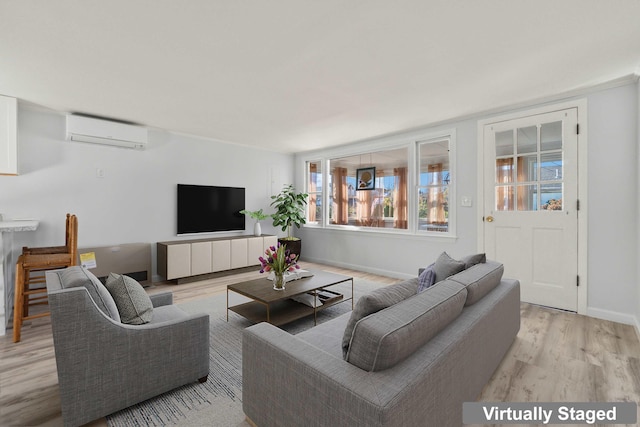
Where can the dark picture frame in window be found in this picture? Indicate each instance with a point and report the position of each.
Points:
(366, 178)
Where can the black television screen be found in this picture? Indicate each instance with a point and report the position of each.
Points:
(203, 208)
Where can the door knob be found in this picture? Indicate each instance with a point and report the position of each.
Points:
(489, 219)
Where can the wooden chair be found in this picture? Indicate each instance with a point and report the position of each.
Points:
(30, 268)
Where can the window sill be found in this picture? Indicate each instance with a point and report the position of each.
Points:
(388, 232)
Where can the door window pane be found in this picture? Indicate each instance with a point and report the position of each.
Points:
(551, 166)
(551, 136)
(504, 171)
(551, 197)
(504, 198)
(527, 168)
(527, 140)
(504, 143)
(527, 196)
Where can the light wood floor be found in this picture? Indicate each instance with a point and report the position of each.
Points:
(557, 356)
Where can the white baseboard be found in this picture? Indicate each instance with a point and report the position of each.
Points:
(363, 268)
(637, 325)
(613, 316)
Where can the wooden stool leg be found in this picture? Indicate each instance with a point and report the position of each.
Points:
(26, 277)
(18, 301)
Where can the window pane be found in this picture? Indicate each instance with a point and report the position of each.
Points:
(527, 140)
(314, 189)
(384, 205)
(551, 136)
(434, 162)
(504, 143)
(434, 180)
(433, 210)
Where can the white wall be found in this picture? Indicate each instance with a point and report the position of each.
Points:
(135, 201)
(612, 203)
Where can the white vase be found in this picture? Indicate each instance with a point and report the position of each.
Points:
(257, 230)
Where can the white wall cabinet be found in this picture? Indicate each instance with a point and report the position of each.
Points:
(8, 136)
(184, 258)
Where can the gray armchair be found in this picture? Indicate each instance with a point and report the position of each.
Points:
(104, 365)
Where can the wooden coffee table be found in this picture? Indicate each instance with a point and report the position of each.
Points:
(277, 308)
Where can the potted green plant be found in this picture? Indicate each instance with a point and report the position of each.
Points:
(258, 216)
(289, 206)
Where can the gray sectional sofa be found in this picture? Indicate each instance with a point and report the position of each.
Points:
(401, 358)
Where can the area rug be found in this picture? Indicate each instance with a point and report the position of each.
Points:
(218, 402)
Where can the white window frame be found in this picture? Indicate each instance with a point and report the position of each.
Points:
(409, 141)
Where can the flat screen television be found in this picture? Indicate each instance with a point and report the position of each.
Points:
(204, 209)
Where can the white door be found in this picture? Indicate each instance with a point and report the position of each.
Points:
(531, 204)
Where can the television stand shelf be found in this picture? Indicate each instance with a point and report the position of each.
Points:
(186, 258)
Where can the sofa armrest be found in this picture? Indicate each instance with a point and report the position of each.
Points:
(335, 391)
(162, 298)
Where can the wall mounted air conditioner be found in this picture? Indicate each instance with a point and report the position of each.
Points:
(106, 132)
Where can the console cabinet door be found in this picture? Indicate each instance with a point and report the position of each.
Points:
(270, 241)
(255, 249)
(221, 255)
(239, 253)
(178, 260)
(201, 258)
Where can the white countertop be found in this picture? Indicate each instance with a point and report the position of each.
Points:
(19, 225)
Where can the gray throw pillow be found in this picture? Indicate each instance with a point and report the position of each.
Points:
(446, 266)
(471, 260)
(134, 305)
(376, 301)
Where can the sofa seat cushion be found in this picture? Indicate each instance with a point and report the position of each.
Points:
(167, 313)
(327, 336)
(375, 301)
(383, 339)
(77, 276)
(479, 280)
(134, 305)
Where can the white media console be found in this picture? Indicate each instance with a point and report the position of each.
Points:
(185, 258)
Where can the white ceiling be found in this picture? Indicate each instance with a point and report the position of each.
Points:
(296, 75)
